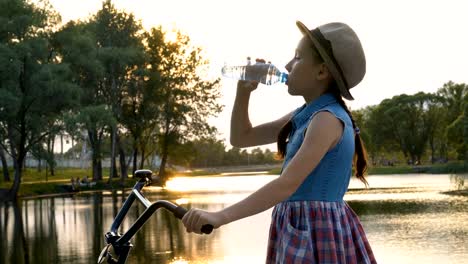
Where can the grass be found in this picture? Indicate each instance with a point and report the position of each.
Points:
(61, 174)
(34, 182)
(449, 167)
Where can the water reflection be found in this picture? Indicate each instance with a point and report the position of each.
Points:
(406, 222)
(458, 180)
(12, 232)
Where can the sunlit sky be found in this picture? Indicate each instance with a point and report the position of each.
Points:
(410, 46)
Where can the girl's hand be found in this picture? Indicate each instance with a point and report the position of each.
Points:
(247, 86)
(250, 86)
(194, 219)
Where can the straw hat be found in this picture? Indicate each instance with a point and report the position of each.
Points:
(342, 52)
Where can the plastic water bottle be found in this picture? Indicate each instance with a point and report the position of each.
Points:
(265, 73)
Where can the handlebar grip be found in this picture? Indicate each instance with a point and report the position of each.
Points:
(179, 212)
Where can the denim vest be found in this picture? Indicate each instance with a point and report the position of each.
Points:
(330, 179)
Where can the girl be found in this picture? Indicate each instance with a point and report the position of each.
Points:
(311, 223)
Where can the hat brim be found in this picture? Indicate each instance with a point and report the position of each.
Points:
(328, 61)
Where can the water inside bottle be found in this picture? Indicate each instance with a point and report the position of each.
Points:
(264, 73)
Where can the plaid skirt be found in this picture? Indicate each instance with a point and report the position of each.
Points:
(317, 232)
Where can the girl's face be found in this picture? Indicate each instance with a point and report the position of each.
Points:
(308, 76)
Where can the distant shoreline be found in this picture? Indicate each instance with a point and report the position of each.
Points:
(447, 168)
(463, 192)
(59, 185)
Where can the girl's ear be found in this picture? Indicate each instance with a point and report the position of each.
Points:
(323, 72)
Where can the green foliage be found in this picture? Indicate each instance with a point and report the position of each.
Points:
(406, 123)
(35, 88)
(209, 152)
(418, 125)
(186, 100)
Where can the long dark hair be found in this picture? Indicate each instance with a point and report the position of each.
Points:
(360, 153)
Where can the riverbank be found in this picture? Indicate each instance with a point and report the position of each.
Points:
(41, 184)
(36, 183)
(447, 168)
(457, 192)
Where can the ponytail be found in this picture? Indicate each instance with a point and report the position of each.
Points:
(360, 153)
(283, 137)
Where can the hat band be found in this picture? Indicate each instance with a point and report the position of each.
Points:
(326, 45)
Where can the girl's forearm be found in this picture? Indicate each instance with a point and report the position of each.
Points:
(240, 122)
(264, 198)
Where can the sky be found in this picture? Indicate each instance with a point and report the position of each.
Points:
(410, 46)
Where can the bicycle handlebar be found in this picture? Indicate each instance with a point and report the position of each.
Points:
(121, 243)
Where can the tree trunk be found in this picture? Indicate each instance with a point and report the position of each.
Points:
(46, 172)
(142, 161)
(39, 165)
(431, 143)
(13, 192)
(164, 151)
(52, 157)
(162, 168)
(61, 144)
(47, 166)
(97, 169)
(135, 156)
(6, 174)
(18, 158)
(123, 163)
(112, 169)
(96, 148)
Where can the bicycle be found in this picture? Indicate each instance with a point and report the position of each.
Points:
(120, 243)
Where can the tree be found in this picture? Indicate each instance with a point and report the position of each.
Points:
(436, 114)
(187, 99)
(369, 130)
(139, 117)
(407, 120)
(233, 157)
(140, 110)
(453, 96)
(31, 80)
(98, 121)
(377, 131)
(270, 156)
(208, 152)
(457, 132)
(257, 156)
(121, 52)
(107, 55)
(77, 48)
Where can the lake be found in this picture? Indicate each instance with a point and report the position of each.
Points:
(407, 219)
